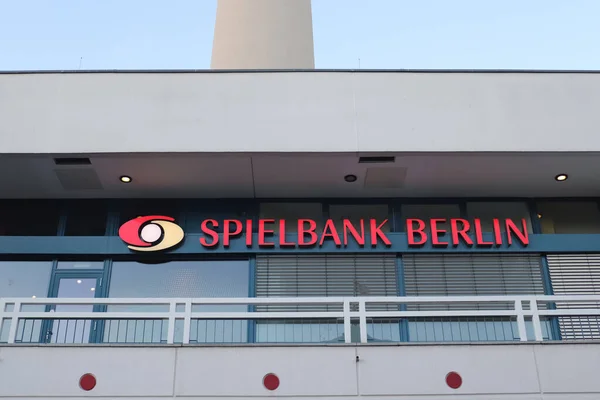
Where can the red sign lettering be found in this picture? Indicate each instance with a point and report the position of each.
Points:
(416, 231)
(456, 231)
(460, 232)
(411, 231)
(312, 226)
(359, 237)
(227, 233)
(377, 233)
(435, 232)
(263, 232)
(209, 232)
(330, 231)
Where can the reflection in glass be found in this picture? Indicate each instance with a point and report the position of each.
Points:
(24, 279)
(486, 211)
(291, 213)
(569, 217)
(29, 218)
(426, 212)
(177, 279)
(356, 212)
(192, 220)
(86, 221)
(80, 265)
(73, 331)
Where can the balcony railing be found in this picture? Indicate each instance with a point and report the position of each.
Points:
(299, 320)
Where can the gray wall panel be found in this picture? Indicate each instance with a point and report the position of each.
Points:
(298, 111)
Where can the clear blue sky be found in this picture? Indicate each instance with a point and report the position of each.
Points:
(444, 34)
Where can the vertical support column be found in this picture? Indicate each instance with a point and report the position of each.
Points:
(401, 290)
(521, 320)
(362, 314)
(549, 290)
(14, 322)
(535, 318)
(546, 278)
(187, 322)
(252, 293)
(263, 34)
(2, 310)
(171, 329)
(347, 322)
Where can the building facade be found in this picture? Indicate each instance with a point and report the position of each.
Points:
(308, 234)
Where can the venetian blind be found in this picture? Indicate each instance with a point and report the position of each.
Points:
(471, 275)
(324, 276)
(576, 274)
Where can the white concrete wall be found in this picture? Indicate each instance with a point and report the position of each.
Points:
(298, 112)
(490, 372)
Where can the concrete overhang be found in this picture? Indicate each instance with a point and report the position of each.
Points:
(299, 111)
(296, 175)
(298, 133)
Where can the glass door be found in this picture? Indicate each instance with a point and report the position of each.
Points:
(73, 330)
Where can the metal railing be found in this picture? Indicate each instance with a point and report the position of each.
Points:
(295, 320)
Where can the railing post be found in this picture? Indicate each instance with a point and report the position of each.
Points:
(347, 322)
(2, 309)
(535, 318)
(187, 322)
(521, 320)
(171, 330)
(362, 313)
(14, 322)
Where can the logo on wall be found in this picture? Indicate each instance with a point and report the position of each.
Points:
(151, 233)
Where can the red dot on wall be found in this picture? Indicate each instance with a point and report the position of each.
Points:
(271, 381)
(87, 382)
(454, 380)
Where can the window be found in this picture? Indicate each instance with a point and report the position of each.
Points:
(470, 275)
(181, 279)
(80, 265)
(323, 276)
(192, 219)
(569, 217)
(576, 274)
(487, 211)
(291, 213)
(29, 218)
(86, 219)
(429, 211)
(24, 279)
(142, 208)
(380, 212)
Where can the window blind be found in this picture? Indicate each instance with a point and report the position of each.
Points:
(324, 276)
(576, 274)
(471, 275)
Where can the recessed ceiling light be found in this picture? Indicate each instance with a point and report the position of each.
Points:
(78, 280)
(93, 289)
(539, 216)
(33, 297)
(561, 177)
(350, 178)
(125, 179)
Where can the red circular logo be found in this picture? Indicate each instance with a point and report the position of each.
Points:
(151, 233)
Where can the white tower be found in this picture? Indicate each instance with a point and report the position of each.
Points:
(263, 34)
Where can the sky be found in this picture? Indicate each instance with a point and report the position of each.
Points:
(382, 34)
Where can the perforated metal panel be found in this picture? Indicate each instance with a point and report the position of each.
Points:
(325, 276)
(576, 274)
(471, 275)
